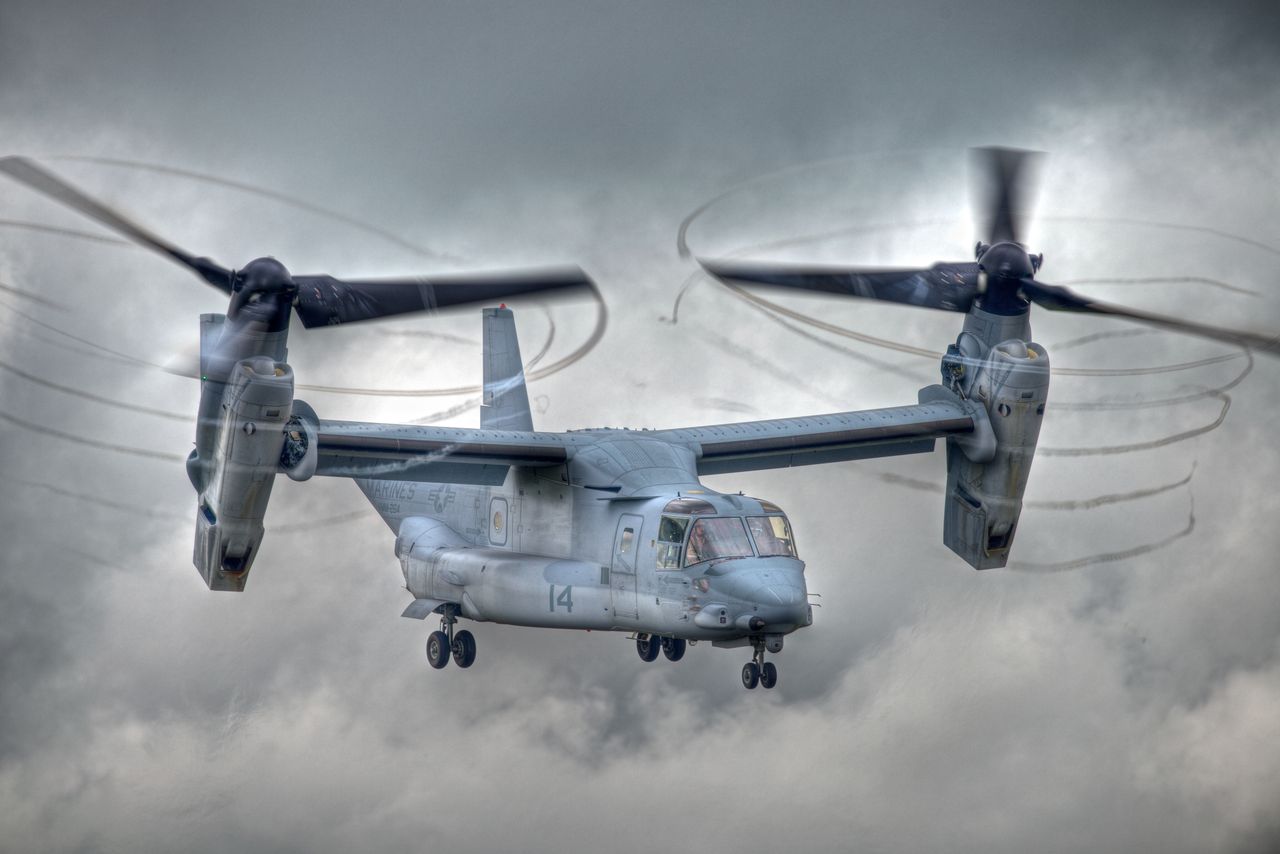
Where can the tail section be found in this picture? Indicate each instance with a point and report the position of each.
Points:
(506, 400)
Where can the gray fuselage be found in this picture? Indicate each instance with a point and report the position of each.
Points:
(542, 549)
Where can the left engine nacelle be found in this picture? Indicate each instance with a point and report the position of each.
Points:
(257, 403)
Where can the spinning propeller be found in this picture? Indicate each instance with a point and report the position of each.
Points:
(1001, 280)
(319, 300)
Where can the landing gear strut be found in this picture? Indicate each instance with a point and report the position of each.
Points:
(446, 643)
(757, 671)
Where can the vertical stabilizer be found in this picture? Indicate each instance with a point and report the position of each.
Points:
(506, 401)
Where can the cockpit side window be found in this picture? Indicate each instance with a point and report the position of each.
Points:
(772, 536)
(671, 529)
(722, 537)
(671, 532)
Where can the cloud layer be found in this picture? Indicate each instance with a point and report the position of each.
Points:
(1128, 705)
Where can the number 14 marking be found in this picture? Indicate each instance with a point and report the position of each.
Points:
(564, 598)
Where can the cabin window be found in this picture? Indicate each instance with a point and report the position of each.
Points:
(628, 536)
(772, 536)
(689, 506)
(671, 541)
(719, 538)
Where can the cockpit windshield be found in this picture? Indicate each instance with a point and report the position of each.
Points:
(720, 537)
(772, 535)
(692, 531)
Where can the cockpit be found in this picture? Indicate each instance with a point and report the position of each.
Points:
(693, 531)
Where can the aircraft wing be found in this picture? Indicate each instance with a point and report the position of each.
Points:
(464, 455)
(434, 454)
(784, 442)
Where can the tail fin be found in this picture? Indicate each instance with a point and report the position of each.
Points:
(506, 401)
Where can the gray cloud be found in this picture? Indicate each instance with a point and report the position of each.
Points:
(1128, 706)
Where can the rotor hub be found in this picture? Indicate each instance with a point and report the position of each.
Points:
(1006, 260)
(264, 275)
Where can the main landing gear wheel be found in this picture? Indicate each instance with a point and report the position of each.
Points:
(768, 675)
(647, 646)
(750, 675)
(438, 650)
(446, 642)
(673, 648)
(464, 649)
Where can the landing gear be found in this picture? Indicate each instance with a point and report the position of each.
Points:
(438, 650)
(442, 645)
(647, 646)
(757, 671)
(464, 648)
(673, 648)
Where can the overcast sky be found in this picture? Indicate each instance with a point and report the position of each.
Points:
(1117, 690)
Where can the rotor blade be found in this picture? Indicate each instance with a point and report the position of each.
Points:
(326, 301)
(43, 181)
(1004, 178)
(951, 287)
(1058, 298)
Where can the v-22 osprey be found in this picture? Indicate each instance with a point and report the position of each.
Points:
(610, 529)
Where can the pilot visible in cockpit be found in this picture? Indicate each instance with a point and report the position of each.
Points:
(699, 549)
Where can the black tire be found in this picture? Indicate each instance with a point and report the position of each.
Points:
(673, 648)
(768, 675)
(750, 675)
(464, 648)
(647, 646)
(438, 650)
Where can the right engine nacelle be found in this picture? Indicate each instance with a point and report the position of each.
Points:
(256, 405)
(984, 495)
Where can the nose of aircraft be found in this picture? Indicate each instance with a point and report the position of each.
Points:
(775, 585)
(779, 594)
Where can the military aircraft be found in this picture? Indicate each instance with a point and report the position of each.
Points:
(610, 529)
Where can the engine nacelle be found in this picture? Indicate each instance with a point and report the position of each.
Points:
(984, 488)
(257, 403)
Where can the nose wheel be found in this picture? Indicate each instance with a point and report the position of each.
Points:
(757, 671)
(446, 643)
